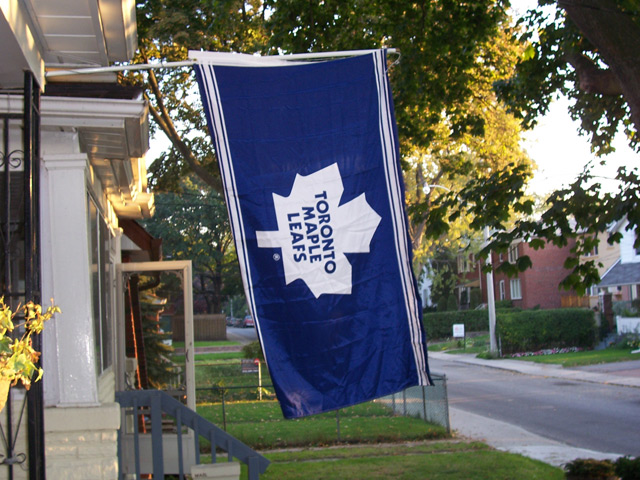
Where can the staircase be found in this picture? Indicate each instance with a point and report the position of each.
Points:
(159, 435)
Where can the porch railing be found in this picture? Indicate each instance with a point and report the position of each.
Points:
(151, 406)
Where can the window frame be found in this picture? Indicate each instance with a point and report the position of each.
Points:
(99, 238)
(515, 289)
(513, 254)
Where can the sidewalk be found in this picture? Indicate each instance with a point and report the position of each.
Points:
(625, 374)
(511, 438)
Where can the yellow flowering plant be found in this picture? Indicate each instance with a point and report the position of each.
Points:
(18, 359)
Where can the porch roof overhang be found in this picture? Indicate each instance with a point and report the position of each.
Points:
(65, 34)
(114, 133)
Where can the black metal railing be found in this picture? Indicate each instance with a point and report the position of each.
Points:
(149, 407)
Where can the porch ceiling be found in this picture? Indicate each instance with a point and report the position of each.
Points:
(64, 34)
(114, 133)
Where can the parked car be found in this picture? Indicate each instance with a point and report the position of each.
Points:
(248, 322)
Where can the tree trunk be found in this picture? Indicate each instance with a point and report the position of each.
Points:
(617, 38)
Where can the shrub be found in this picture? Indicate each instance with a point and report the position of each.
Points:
(442, 304)
(440, 324)
(501, 304)
(582, 469)
(628, 468)
(452, 303)
(531, 330)
(475, 298)
(253, 350)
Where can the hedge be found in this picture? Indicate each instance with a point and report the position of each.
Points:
(532, 330)
(440, 324)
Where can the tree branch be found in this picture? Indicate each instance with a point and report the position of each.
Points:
(592, 79)
(165, 122)
(617, 37)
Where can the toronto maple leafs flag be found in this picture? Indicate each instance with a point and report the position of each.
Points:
(308, 156)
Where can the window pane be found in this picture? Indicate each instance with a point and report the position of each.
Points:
(515, 289)
(95, 277)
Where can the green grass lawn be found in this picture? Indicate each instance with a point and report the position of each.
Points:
(439, 460)
(211, 358)
(372, 443)
(435, 461)
(476, 344)
(217, 343)
(262, 426)
(587, 357)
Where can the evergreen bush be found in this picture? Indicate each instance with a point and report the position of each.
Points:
(532, 330)
(442, 304)
(475, 298)
(440, 324)
(628, 468)
(452, 303)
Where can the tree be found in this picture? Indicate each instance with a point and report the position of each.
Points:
(450, 124)
(588, 50)
(193, 224)
(166, 31)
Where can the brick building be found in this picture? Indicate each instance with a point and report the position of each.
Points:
(538, 286)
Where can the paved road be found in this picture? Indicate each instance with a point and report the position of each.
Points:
(242, 335)
(584, 414)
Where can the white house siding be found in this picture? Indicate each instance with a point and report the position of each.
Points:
(628, 253)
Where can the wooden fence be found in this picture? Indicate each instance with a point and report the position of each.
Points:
(574, 301)
(205, 328)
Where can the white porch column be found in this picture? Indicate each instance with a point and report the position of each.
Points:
(69, 353)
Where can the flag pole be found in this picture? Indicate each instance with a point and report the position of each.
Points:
(193, 55)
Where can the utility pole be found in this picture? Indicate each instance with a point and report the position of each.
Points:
(491, 300)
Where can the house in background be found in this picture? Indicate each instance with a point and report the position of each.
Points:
(536, 287)
(469, 271)
(604, 256)
(622, 278)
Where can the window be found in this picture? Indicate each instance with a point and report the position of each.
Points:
(99, 242)
(592, 253)
(466, 263)
(516, 292)
(513, 253)
(502, 290)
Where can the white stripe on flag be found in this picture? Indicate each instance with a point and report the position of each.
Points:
(228, 179)
(397, 201)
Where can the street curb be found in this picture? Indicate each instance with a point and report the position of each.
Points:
(543, 370)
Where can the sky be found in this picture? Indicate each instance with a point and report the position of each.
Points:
(554, 144)
(561, 153)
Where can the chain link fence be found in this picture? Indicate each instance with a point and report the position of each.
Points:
(226, 384)
(430, 404)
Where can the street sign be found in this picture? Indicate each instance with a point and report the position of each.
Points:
(458, 330)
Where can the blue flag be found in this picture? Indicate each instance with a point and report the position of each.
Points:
(308, 155)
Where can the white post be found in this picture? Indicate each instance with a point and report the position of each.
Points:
(491, 300)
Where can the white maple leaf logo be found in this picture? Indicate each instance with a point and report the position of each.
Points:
(315, 231)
